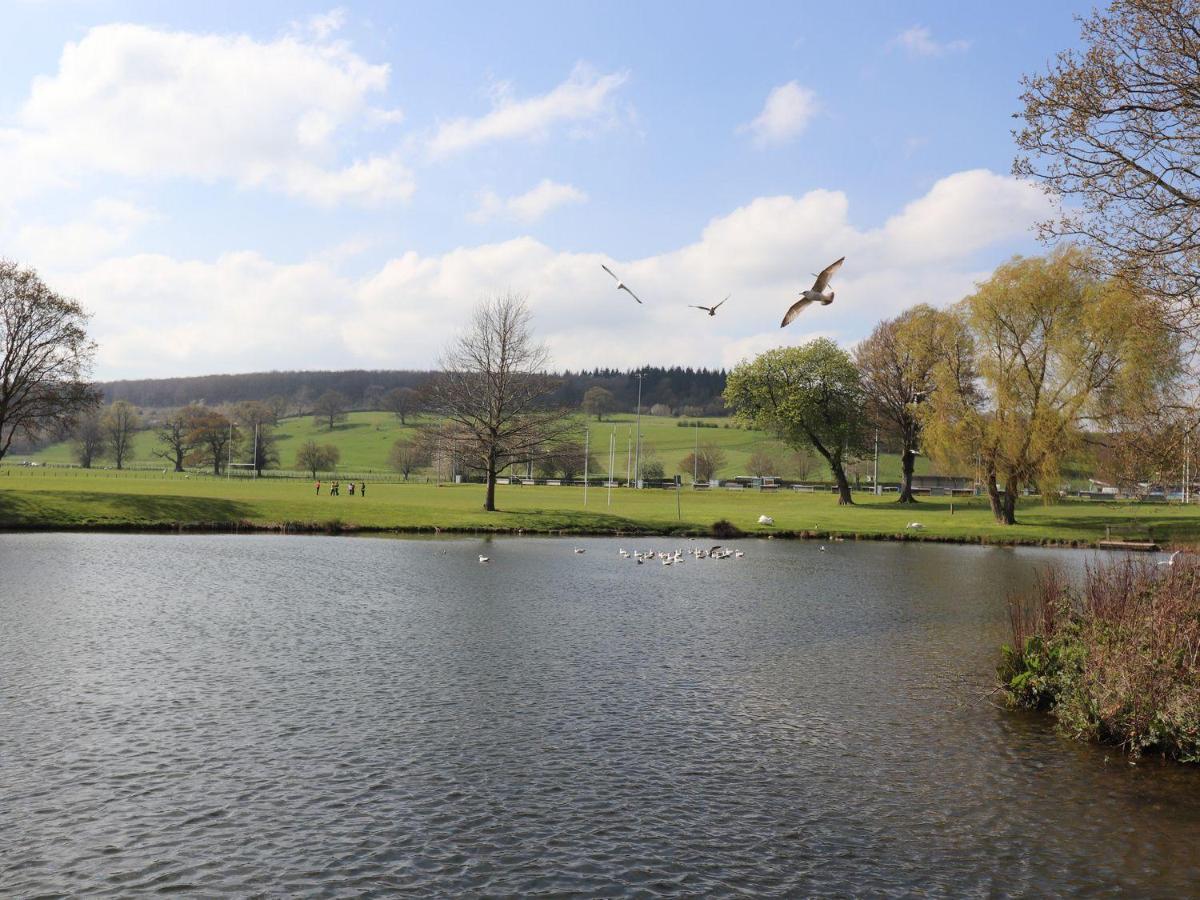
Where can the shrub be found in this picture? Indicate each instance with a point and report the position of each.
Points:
(1116, 659)
(724, 529)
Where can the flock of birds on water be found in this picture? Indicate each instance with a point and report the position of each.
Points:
(820, 292)
(668, 557)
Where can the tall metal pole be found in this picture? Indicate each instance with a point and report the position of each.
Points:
(612, 461)
(229, 454)
(587, 438)
(254, 462)
(876, 475)
(696, 454)
(629, 457)
(637, 449)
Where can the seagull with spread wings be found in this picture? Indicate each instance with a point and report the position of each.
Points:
(621, 286)
(711, 310)
(818, 293)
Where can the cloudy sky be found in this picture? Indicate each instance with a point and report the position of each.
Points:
(236, 187)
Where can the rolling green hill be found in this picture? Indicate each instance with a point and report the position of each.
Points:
(365, 440)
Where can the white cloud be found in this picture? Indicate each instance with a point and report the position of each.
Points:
(586, 95)
(105, 227)
(787, 112)
(530, 206)
(241, 312)
(141, 102)
(919, 41)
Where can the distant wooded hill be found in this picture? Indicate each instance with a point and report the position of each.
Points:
(684, 390)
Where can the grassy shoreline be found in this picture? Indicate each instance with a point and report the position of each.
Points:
(45, 501)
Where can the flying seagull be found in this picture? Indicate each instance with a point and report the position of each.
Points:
(711, 310)
(621, 286)
(816, 294)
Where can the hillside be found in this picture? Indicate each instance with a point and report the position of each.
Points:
(366, 438)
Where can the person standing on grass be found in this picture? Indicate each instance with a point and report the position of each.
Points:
(352, 489)
(318, 489)
(362, 489)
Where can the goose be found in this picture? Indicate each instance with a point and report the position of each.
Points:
(483, 558)
(915, 525)
(580, 550)
(621, 286)
(816, 294)
(711, 310)
(1171, 561)
(739, 553)
(822, 548)
(765, 520)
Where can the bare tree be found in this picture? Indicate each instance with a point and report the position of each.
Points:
(88, 439)
(402, 402)
(174, 436)
(493, 387)
(314, 457)
(330, 408)
(763, 462)
(1114, 128)
(45, 357)
(703, 465)
(599, 402)
(897, 363)
(210, 434)
(120, 423)
(407, 455)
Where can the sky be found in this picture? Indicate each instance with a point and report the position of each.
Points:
(233, 187)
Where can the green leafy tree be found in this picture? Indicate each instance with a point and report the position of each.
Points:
(806, 396)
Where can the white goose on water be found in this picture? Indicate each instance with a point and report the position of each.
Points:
(483, 558)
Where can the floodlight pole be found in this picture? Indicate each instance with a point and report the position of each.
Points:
(612, 461)
(637, 450)
(696, 455)
(587, 436)
(254, 462)
(229, 454)
(876, 475)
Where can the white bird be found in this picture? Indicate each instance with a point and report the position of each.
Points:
(483, 558)
(624, 553)
(621, 286)
(739, 553)
(765, 520)
(1171, 561)
(915, 525)
(822, 548)
(711, 310)
(816, 294)
(580, 550)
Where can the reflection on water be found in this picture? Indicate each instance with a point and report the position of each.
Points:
(226, 715)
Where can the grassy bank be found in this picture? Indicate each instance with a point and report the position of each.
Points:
(49, 499)
(1116, 659)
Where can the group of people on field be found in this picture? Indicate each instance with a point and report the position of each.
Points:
(335, 488)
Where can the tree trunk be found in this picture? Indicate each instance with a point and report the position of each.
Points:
(1008, 506)
(907, 464)
(839, 474)
(489, 501)
(993, 493)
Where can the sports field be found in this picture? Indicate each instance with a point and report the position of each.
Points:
(50, 499)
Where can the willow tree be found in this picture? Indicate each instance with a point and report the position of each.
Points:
(897, 363)
(809, 396)
(1056, 351)
(494, 392)
(1113, 128)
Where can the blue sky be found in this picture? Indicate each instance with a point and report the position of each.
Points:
(231, 187)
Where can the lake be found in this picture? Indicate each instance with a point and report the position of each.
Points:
(232, 715)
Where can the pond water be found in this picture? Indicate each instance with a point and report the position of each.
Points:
(234, 715)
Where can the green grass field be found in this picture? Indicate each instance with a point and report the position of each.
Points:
(50, 499)
(366, 438)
